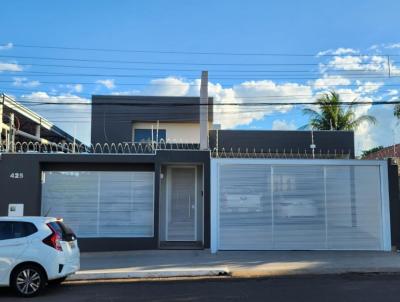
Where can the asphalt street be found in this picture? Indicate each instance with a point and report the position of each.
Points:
(350, 287)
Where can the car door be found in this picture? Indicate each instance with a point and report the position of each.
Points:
(13, 242)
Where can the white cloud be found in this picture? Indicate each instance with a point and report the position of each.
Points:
(378, 47)
(229, 115)
(371, 64)
(283, 125)
(77, 87)
(346, 63)
(169, 86)
(10, 67)
(72, 118)
(108, 83)
(393, 46)
(6, 46)
(330, 81)
(385, 132)
(24, 82)
(127, 92)
(368, 87)
(393, 92)
(259, 92)
(338, 51)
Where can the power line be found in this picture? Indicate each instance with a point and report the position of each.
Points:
(156, 77)
(175, 63)
(189, 70)
(182, 104)
(277, 54)
(197, 85)
(74, 95)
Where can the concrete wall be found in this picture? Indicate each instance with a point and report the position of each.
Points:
(394, 196)
(112, 123)
(279, 141)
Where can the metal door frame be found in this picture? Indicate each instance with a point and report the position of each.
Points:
(167, 198)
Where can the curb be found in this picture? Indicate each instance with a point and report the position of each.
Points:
(103, 274)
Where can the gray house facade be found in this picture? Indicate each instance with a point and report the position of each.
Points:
(144, 183)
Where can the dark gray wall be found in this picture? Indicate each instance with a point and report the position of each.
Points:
(28, 189)
(394, 199)
(112, 123)
(197, 157)
(279, 141)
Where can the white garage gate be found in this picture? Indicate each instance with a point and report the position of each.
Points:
(260, 204)
(101, 203)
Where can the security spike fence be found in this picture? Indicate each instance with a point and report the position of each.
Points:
(289, 154)
(153, 147)
(105, 148)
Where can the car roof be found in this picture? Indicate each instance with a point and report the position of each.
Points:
(34, 219)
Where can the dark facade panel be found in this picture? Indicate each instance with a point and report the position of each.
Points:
(280, 141)
(394, 206)
(188, 157)
(24, 190)
(112, 123)
(27, 190)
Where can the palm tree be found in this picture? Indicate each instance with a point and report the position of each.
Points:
(396, 111)
(333, 116)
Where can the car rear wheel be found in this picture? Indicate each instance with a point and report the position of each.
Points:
(28, 280)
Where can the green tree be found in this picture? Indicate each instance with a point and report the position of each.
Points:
(396, 111)
(332, 114)
(370, 151)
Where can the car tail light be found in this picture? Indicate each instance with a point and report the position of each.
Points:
(53, 240)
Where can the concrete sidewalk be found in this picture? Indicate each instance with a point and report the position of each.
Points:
(184, 263)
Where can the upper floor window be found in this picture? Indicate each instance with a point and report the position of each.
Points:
(144, 135)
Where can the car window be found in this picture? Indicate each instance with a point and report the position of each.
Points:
(16, 229)
(63, 230)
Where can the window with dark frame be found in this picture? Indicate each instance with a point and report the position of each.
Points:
(145, 136)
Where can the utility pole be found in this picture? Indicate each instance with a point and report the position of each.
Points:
(204, 111)
(312, 146)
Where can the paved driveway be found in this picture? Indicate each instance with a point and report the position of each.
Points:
(262, 263)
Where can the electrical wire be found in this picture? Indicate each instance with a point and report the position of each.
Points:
(277, 54)
(174, 63)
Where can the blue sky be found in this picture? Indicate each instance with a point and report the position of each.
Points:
(344, 28)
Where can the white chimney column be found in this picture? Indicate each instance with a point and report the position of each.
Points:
(204, 111)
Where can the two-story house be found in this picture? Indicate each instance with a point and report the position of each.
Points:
(148, 182)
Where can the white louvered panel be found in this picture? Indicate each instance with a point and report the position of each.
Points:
(354, 207)
(245, 207)
(72, 196)
(299, 207)
(101, 204)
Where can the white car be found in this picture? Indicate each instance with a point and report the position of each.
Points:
(296, 207)
(35, 251)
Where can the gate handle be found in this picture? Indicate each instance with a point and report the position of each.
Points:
(190, 205)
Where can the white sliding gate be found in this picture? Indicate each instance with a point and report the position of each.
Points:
(259, 204)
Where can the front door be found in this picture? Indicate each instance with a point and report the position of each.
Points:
(181, 204)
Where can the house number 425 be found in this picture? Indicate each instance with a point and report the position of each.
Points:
(17, 175)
